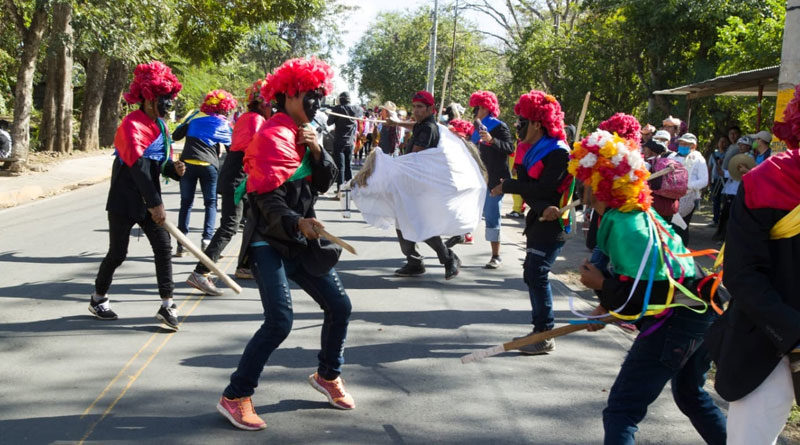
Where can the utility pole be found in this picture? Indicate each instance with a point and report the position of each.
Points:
(432, 58)
(789, 75)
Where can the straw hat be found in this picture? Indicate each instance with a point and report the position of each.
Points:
(740, 159)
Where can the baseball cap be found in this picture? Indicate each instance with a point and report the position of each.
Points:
(745, 140)
(423, 97)
(662, 134)
(688, 138)
(764, 135)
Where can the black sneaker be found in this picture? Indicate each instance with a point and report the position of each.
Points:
(168, 316)
(102, 310)
(452, 267)
(453, 240)
(410, 270)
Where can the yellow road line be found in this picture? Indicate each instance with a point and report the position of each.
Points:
(133, 378)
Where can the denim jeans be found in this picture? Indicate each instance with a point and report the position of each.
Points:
(674, 352)
(208, 184)
(600, 261)
(536, 270)
(228, 226)
(272, 272)
(491, 213)
(341, 157)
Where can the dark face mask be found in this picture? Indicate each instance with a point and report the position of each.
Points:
(475, 112)
(522, 128)
(164, 104)
(312, 103)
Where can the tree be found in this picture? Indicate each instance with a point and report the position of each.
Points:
(29, 21)
(56, 125)
(390, 62)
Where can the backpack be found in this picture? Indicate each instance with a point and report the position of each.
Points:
(672, 185)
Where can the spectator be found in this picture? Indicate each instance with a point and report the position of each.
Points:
(698, 179)
(389, 138)
(731, 187)
(344, 137)
(662, 136)
(672, 125)
(717, 178)
(733, 149)
(647, 133)
(762, 148)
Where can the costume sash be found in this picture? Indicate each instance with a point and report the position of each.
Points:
(246, 127)
(138, 134)
(490, 122)
(543, 147)
(209, 128)
(775, 183)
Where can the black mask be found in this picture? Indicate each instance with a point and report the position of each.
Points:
(163, 105)
(475, 111)
(312, 102)
(522, 128)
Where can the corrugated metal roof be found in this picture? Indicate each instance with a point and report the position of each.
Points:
(745, 83)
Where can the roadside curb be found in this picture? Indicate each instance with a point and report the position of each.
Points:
(15, 197)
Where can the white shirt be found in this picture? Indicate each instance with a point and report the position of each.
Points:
(698, 179)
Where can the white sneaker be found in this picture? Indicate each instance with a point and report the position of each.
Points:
(203, 284)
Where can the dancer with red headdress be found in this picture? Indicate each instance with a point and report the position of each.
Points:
(542, 179)
(231, 177)
(287, 169)
(143, 153)
(204, 132)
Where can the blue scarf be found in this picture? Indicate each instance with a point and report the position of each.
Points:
(490, 122)
(211, 129)
(543, 147)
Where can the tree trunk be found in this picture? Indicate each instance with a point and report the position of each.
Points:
(47, 126)
(23, 91)
(63, 37)
(116, 81)
(89, 136)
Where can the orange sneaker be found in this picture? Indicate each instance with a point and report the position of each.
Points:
(241, 413)
(333, 390)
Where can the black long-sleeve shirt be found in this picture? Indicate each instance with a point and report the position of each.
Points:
(137, 188)
(540, 194)
(495, 155)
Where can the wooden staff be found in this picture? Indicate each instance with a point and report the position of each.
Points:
(530, 339)
(335, 239)
(201, 256)
(569, 206)
(661, 173)
(582, 116)
(353, 117)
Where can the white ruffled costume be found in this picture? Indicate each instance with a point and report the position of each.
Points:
(435, 192)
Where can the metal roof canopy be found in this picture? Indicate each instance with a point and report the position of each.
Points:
(746, 83)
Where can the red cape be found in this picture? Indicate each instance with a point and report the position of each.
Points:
(273, 156)
(246, 127)
(775, 183)
(135, 133)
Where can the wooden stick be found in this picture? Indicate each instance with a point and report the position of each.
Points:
(530, 339)
(353, 117)
(660, 173)
(569, 206)
(335, 239)
(201, 256)
(582, 116)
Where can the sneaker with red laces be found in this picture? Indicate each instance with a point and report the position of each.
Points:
(468, 239)
(241, 413)
(333, 390)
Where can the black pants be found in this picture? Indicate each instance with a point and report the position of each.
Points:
(409, 249)
(119, 233)
(727, 202)
(231, 175)
(341, 156)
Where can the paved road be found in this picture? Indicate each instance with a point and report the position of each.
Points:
(67, 377)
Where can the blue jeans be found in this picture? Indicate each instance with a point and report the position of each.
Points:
(208, 184)
(271, 272)
(536, 270)
(675, 352)
(491, 213)
(600, 261)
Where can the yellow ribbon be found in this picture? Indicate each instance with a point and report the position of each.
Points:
(788, 226)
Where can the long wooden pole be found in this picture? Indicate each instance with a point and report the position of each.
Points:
(582, 116)
(201, 256)
(530, 339)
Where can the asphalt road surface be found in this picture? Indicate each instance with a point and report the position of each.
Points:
(68, 378)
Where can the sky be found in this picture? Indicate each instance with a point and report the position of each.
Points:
(358, 23)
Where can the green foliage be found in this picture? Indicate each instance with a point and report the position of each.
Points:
(390, 62)
(745, 45)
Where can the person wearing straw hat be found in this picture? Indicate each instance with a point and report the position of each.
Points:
(650, 266)
(755, 342)
(647, 133)
(286, 170)
(389, 138)
(733, 171)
